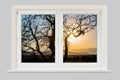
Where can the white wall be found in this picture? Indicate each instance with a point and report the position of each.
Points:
(113, 42)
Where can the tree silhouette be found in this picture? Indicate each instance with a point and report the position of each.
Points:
(77, 25)
(38, 31)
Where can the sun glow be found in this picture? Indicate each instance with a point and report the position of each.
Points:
(72, 39)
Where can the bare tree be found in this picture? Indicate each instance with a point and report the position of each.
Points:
(51, 20)
(77, 25)
(37, 32)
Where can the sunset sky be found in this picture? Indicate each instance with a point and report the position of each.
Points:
(84, 41)
(83, 45)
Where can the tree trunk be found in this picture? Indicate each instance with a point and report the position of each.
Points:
(52, 38)
(38, 49)
(66, 47)
(52, 47)
(37, 45)
(52, 44)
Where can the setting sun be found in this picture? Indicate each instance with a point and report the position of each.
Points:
(71, 38)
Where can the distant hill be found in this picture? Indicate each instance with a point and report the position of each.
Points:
(88, 51)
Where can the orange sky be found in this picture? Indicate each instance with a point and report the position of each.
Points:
(83, 42)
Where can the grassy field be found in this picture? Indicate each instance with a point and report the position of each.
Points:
(81, 58)
(32, 58)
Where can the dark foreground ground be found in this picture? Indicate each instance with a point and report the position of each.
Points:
(81, 58)
(36, 59)
(31, 58)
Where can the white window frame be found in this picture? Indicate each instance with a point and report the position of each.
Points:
(59, 66)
